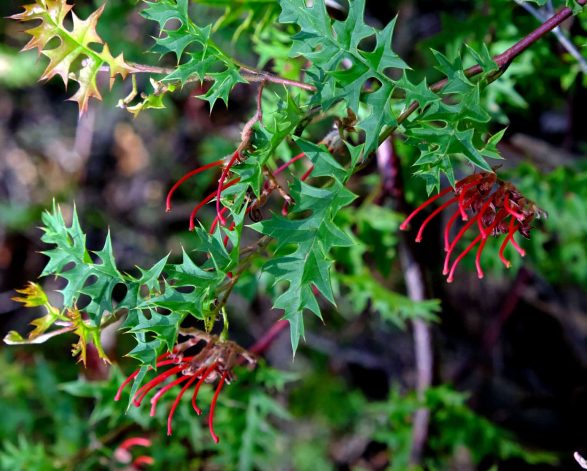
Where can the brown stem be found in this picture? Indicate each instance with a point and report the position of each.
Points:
(248, 73)
(502, 60)
(390, 170)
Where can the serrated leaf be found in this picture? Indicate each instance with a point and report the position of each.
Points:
(194, 46)
(180, 288)
(328, 43)
(302, 251)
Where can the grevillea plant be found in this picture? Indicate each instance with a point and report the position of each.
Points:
(340, 73)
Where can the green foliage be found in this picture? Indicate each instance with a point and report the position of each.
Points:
(73, 58)
(447, 131)
(558, 251)
(202, 59)
(161, 286)
(329, 45)
(335, 101)
(311, 237)
(452, 425)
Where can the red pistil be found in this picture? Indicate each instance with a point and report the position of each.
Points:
(450, 278)
(432, 215)
(163, 390)
(513, 227)
(478, 257)
(507, 204)
(425, 204)
(462, 193)
(447, 229)
(144, 390)
(198, 385)
(132, 376)
(176, 402)
(520, 250)
(464, 229)
(221, 187)
(213, 407)
(186, 177)
(134, 441)
(206, 200)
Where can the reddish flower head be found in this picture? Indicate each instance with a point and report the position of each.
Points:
(485, 203)
(213, 362)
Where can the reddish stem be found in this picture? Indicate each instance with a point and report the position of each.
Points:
(426, 203)
(213, 407)
(284, 209)
(221, 188)
(307, 174)
(186, 177)
(291, 161)
(269, 337)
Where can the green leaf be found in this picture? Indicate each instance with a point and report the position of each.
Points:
(194, 46)
(340, 66)
(302, 252)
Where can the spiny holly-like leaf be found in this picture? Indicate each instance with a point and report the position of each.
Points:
(341, 67)
(303, 245)
(192, 44)
(75, 58)
(452, 131)
(180, 289)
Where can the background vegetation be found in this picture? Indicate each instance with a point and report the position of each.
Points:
(510, 354)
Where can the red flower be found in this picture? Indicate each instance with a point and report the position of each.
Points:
(214, 362)
(123, 455)
(484, 202)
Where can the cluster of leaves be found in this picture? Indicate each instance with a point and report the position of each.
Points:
(181, 289)
(74, 58)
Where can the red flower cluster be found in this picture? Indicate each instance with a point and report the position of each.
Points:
(491, 205)
(268, 187)
(213, 362)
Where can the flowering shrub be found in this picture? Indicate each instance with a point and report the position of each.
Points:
(285, 200)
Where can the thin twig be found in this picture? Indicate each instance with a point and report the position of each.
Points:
(565, 42)
(392, 186)
(248, 73)
(502, 60)
(269, 337)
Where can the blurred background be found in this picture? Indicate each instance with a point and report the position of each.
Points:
(510, 351)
